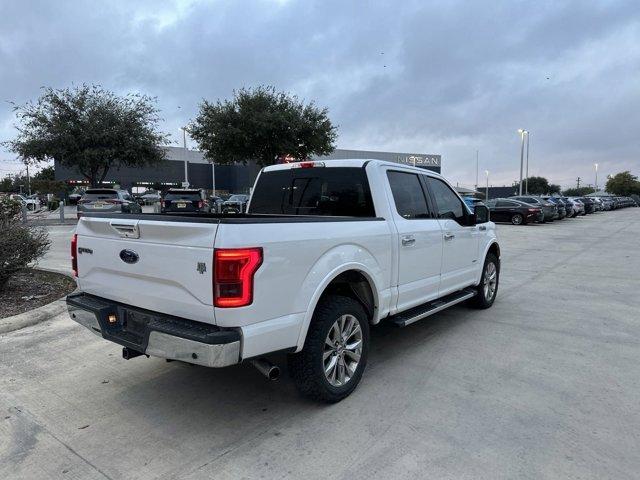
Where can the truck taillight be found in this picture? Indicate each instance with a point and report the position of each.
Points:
(74, 254)
(233, 271)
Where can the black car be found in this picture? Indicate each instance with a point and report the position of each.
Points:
(235, 204)
(184, 201)
(589, 205)
(514, 211)
(549, 209)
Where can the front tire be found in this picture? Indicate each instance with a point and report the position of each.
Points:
(335, 352)
(487, 289)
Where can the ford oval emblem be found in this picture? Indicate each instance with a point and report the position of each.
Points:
(129, 256)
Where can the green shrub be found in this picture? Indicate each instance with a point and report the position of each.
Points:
(19, 244)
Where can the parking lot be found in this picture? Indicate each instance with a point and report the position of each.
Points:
(543, 385)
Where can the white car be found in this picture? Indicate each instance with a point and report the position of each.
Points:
(32, 204)
(325, 250)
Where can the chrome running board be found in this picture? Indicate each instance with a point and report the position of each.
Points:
(422, 311)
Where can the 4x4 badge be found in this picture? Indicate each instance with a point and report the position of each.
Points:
(202, 267)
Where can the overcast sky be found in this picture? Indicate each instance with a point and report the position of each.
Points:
(428, 77)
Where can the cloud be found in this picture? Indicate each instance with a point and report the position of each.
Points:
(432, 77)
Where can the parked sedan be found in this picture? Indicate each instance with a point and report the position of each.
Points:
(577, 208)
(184, 201)
(235, 204)
(589, 205)
(107, 200)
(32, 202)
(562, 209)
(549, 210)
(514, 211)
(150, 197)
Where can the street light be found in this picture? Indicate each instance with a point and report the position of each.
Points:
(522, 133)
(486, 195)
(596, 165)
(526, 177)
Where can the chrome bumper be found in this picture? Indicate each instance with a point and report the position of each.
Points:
(162, 344)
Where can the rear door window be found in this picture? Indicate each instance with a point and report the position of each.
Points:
(323, 191)
(408, 195)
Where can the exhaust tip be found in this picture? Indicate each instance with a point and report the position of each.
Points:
(266, 368)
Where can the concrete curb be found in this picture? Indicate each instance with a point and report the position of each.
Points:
(32, 317)
(37, 315)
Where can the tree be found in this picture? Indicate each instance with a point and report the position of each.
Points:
(578, 192)
(553, 188)
(44, 182)
(261, 124)
(538, 185)
(623, 184)
(89, 129)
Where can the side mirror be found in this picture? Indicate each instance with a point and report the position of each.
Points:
(481, 214)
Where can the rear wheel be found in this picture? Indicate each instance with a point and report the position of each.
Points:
(517, 219)
(487, 289)
(335, 352)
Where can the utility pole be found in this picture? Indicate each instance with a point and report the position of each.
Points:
(526, 179)
(578, 183)
(596, 165)
(29, 179)
(186, 162)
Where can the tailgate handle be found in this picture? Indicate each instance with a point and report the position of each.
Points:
(126, 230)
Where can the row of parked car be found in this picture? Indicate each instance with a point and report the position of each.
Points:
(109, 200)
(520, 210)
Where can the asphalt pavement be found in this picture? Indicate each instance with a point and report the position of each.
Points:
(544, 385)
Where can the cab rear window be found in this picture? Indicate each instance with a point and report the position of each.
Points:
(330, 191)
(190, 196)
(99, 194)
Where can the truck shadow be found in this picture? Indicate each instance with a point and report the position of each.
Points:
(178, 392)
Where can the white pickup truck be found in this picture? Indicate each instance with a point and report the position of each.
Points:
(325, 250)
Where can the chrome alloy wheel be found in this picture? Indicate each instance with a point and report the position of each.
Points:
(342, 350)
(490, 281)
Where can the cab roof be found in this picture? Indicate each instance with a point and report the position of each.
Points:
(348, 162)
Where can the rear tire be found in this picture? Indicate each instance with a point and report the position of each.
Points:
(344, 320)
(517, 219)
(487, 289)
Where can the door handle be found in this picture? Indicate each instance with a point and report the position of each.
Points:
(449, 236)
(482, 228)
(408, 241)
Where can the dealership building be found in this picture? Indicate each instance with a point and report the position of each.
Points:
(236, 178)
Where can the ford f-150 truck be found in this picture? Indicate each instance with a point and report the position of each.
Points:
(324, 251)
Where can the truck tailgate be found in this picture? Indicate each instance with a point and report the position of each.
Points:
(163, 266)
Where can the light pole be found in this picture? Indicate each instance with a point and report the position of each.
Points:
(596, 165)
(526, 177)
(186, 162)
(522, 132)
(486, 195)
(476, 170)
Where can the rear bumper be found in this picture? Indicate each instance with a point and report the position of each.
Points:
(154, 333)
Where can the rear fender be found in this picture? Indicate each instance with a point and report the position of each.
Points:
(334, 262)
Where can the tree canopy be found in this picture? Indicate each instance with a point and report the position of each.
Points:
(89, 129)
(538, 185)
(578, 192)
(261, 124)
(624, 184)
